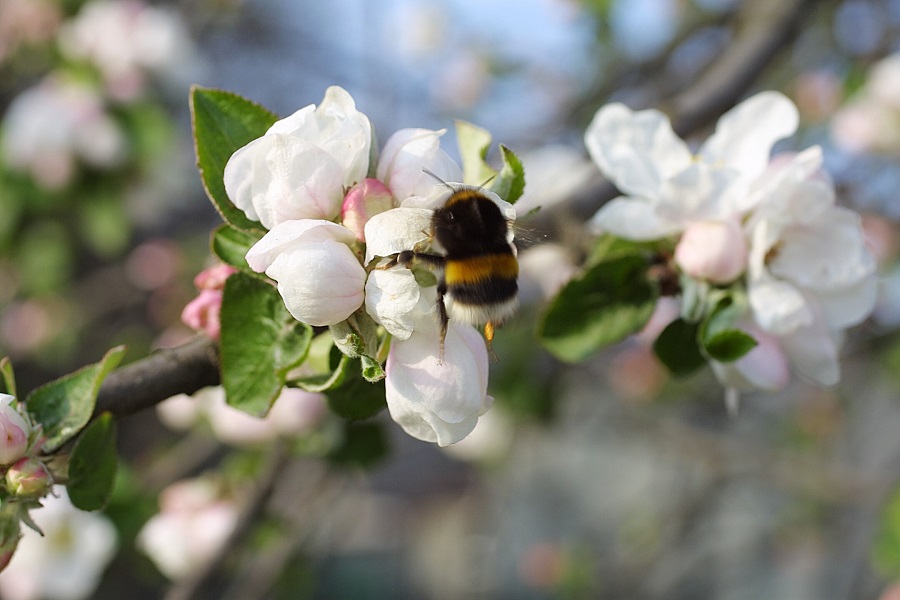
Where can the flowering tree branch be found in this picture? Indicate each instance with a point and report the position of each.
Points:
(147, 382)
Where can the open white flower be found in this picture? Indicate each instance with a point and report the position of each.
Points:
(319, 277)
(300, 168)
(668, 186)
(810, 273)
(66, 563)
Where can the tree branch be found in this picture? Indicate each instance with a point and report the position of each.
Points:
(771, 25)
(142, 384)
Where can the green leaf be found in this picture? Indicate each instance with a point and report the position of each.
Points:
(729, 345)
(223, 122)
(8, 377)
(64, 406)
(510, 181)
(610, 246)
(372, 370)
(721, 340)
(231, 245)
(364, 444)
(355, 397)
(92, 465)
(677, 348)
(473, 142)
(603, 305)
(326, 377)
(260, 343)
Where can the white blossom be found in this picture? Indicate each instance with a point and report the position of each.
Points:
(66, 563)
(810, 273)
(127, 40)
(50, 128)
(193, 522)
(668, 186)
(300, 168)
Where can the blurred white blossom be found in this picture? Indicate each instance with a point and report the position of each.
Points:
(67, 562)
(51, 128)
(194, 520)
(129, 40)
(293, 413)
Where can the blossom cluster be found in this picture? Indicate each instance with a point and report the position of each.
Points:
(763, 229)
(26, 478)
(65, 121)
(333, 212)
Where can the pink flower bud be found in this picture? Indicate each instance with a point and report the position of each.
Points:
(13, 432)
(214, 278)
(712, 250)
(29, 478)
(202, 313)
(363, 201)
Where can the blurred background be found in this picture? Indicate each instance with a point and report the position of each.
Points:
(600, 480)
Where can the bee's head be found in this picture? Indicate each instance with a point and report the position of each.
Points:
(470, 224)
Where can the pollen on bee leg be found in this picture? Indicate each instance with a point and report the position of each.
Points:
(489, 338)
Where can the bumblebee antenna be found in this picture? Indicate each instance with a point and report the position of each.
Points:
(433, 175)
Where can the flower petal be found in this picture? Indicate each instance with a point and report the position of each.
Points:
(437, 399)
(285, 236)
(391, 297)
(813, 351)
(396, 230)
(778, 307)
(406, 156)
(633, 219)
(745, 135)
(635, 150)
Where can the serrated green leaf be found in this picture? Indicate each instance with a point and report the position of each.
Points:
(8, 376)
(677, 348)
(509, 183)
(64, 406)
(92, 465)
(473, 143)
(603, 305)
(260, 343)
(222, 123)
(363, 445)
(230, 245)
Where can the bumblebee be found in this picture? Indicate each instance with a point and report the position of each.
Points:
(478, 272)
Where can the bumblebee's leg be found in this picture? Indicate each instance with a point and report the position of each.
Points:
(442, 312)
(404, 258)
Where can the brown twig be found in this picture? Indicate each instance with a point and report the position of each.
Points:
(146, 382)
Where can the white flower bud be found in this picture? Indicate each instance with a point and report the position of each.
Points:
(319, 277)
(714, 251)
